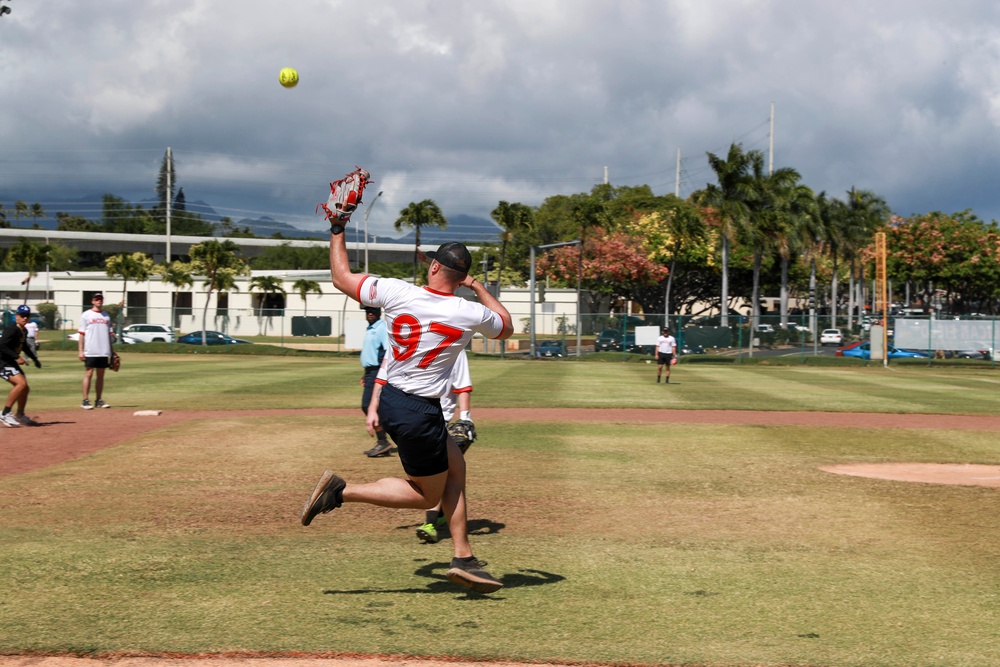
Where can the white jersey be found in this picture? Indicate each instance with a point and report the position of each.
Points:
(96, 330)
(666, 344)
(428, 330)
(31, 330)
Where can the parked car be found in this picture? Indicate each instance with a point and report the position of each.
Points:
(831, 337)
(765, 329)
(863, 351)
(977, 351)
(211, 338)
(690, 349)
(551, 348)
(150, 333)
(607, 341)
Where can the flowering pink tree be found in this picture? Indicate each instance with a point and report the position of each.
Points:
(613, 264)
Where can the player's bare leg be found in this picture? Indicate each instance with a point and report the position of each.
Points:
(414, 493)
(87, 373)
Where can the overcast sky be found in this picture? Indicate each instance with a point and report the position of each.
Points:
(475, 101)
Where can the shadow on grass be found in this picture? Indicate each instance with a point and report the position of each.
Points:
(440, 584)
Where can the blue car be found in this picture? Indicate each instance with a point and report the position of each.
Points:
(863, 351)
(211, 338)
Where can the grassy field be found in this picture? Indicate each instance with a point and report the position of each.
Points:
(617, 542)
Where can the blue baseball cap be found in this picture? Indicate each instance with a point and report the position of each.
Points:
(24, 309)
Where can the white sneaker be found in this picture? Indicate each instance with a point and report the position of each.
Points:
(10, 420)
(25, 420)
(101, 404)
(86, 404)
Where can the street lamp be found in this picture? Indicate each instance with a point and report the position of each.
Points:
(367, 211)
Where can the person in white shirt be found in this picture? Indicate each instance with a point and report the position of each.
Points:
(666, 346)
(31, 331)
(429, 327)
(94, 348)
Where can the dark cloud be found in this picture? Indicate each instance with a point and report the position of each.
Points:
(468, 103)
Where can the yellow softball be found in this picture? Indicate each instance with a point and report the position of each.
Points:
(288, 77)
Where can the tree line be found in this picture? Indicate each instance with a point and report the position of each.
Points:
(755, 231)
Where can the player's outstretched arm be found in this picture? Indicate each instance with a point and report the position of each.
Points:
(340, 267)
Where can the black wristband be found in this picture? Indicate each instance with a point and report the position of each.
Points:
(336, 229)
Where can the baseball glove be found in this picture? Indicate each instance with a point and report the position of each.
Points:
(116, 362)
(463, 432)
(345, 195)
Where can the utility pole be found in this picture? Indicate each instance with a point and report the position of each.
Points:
(770, 162)
(606, 179)
(677, 182)
(170, 162)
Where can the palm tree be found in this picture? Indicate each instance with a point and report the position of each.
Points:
(793, 238)
(731, 199)
(770, 219)
(266, 286)
(514, 219)
(220, 263)
(417, 216)
(20, 209)
(304, 287)
(135, 267)
(37, 213)
(830, 227)
(31, 255)
(179, 275)
(865, 213)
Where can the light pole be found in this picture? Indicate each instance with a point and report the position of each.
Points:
(531, 288)
(367, 211)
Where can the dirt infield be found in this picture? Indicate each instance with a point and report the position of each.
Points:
(68, 434)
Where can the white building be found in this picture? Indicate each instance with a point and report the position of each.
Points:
(242, 312)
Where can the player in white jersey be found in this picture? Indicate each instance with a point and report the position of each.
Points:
(428, 328)
(95, 349)
(666, 347)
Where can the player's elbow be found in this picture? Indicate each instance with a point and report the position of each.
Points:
(508, 331)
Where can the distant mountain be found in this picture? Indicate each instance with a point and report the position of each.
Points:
(465, 228)
(267, 227)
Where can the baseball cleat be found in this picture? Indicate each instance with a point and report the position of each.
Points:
(328, 495)
(472, 575)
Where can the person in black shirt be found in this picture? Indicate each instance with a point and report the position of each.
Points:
(12, 344)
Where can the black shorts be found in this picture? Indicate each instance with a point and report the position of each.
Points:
(417, 426)
(371, 372)
(7, 372)
(97, 362)
(664, 358)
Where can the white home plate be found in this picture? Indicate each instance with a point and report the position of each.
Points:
(965, 474)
